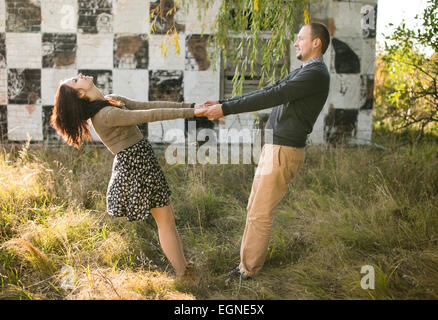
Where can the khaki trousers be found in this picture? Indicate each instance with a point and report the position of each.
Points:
(277, 166)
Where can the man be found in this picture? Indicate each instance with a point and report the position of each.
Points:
(298, 99)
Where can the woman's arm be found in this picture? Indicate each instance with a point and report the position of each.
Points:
(133, 104)
(115, 117)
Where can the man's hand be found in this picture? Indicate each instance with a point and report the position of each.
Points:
(210, 103)
(214, 112)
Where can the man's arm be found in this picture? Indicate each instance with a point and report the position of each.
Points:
(306, 83)
(245, 95)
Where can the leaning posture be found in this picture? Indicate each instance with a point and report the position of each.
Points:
(297, 100)
(137, 186)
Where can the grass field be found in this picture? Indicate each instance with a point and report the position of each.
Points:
(347, 208)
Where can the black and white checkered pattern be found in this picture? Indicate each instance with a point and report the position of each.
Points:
(45, 41)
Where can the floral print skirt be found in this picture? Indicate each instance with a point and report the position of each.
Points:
(137, 183)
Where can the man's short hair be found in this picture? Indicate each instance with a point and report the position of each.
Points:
(320, 31)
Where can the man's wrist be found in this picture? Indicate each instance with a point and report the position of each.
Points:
(225, 109)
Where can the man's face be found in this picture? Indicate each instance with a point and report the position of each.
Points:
(304, 44)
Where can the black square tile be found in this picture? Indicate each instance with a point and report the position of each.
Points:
(3, 124)
(103, 79)
(23, 16)
(24, 86)
(59, 50)
(95, 16)
(165, 85)
(130, 51)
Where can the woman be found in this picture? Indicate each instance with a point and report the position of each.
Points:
(137, 186)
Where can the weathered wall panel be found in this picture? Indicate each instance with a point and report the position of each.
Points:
(24, 121)
(2, 15)
(45, 41)
(3, 87)
(347, 114)
(59, 16)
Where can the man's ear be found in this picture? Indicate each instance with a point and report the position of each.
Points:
(317, 43)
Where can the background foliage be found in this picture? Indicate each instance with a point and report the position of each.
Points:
(406, 76)
(249, 33)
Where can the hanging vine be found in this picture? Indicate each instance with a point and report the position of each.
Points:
(247, 33)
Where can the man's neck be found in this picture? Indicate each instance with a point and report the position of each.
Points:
(312, 59)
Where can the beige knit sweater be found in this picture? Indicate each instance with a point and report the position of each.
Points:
(117, 127)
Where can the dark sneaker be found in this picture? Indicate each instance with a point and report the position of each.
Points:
(236, 273)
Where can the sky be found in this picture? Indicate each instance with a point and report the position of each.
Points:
(394, 11)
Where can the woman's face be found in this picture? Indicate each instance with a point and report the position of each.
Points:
(82, 84)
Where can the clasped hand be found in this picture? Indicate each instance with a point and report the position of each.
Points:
(210, 109)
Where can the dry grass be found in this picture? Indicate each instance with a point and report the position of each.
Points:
(347, 208)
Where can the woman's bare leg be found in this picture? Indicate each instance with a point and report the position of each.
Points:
(169, 238)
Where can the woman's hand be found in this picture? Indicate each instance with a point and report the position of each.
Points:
(199, 112)
(115, 100)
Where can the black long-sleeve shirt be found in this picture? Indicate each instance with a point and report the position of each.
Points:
(298, 99)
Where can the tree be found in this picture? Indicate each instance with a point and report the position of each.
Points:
(249, 33)
(406, 86)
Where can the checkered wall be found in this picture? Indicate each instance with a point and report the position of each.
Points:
(45, 41)
(347, 114)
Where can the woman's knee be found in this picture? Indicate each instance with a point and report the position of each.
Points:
(163, 216)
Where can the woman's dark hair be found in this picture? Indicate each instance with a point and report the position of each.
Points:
(70, 115)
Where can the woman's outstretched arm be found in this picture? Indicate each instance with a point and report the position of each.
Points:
(133, 104)
(114, 117)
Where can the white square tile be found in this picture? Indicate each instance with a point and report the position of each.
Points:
(368, 59)
(209, 81)
(165, 131)
(50, 79)
(2, 15)
(208, 17)
(130, 16)
(321, 9)
(172, 60)
(24, 121)
(237, 126)
(133, 84)
(348, 18)
(345, 91)
(59, 16)
(24, 50)
(317, 134)
(364, 126)
(95, 51)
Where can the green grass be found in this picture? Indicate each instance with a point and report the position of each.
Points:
(348, 207)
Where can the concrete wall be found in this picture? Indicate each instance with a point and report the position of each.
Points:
(45, 41)
(350, 59)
